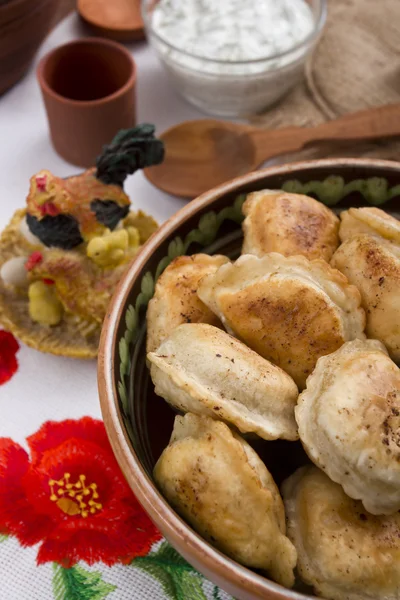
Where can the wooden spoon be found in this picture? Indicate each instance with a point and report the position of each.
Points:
(202, 154)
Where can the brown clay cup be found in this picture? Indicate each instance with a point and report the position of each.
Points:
(88, 88)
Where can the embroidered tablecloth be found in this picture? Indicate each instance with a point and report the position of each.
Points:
(50, 421)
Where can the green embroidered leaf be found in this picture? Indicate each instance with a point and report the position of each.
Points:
(293, 186)
(3, 538)
(123, 350)
(166, 555)
(163, 264)
(140, 301)
(125, 367)
(333, 189)
(131, 318)
(234, 213)
(237, 205)
(208, 226)
(128, 362)
(129, 428)
(215, 593)
(175, 248)
(129, 335)
(355, 185)
(148, 284)
(329, 191)
(394, 191)
(122, 371)
(78, 584)
(194, 236)
(208, 222)
(178, 579)
(123, 396)
(377, 190)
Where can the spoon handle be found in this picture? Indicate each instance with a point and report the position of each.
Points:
(381, 121)
(373, 123)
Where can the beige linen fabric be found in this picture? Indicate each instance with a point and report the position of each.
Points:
(355, 66)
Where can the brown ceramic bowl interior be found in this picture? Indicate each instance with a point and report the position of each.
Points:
(138, 440)
(87, 70)
(23, 26)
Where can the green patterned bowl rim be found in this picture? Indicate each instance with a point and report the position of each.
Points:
(330, 190)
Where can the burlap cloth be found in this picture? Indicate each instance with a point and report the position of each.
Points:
(356, 65)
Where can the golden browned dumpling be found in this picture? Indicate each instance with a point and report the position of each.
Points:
(371, 220)
(289, 310)
(216, 481)
(203, 370)
(349, 423)
(175, 299)
(343, 552)
(290, 224)
(373, 265)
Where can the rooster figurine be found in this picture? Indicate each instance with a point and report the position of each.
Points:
(80, 287)
(62, 257)
(68, 212)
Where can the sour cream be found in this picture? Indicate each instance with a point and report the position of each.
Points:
(233, 30)
(233, 57)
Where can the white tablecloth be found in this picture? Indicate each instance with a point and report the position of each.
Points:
(51, 388)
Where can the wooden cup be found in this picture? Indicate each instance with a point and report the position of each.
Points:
(88, 88)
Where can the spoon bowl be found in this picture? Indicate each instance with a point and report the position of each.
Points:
(202, 154)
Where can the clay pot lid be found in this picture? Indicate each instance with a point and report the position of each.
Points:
(119, 20)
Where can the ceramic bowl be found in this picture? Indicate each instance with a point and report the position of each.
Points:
(139, 423)
(23, 26)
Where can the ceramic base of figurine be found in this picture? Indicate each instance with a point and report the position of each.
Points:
(73, 336)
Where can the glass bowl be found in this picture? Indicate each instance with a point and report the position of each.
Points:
(234, 88)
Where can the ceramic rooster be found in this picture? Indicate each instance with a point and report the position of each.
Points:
(82, 288)
(67, 212)
(61, 257)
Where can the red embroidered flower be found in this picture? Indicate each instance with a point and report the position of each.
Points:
(8, 361)
(71, 497)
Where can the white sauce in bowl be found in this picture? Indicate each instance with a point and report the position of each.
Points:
(233, 30)
(233, 57)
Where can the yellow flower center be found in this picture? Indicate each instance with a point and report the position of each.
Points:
(75, 498)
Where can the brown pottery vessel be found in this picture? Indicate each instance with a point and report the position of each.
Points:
(119, 20)
(138, 422)
(88, 88)
(23, 26)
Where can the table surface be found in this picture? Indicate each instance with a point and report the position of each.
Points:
(51, 388)
(25, 148)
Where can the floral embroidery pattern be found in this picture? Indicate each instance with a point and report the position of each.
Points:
(8, 361)
(71, 498)
(179, 580)
(78, 584)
